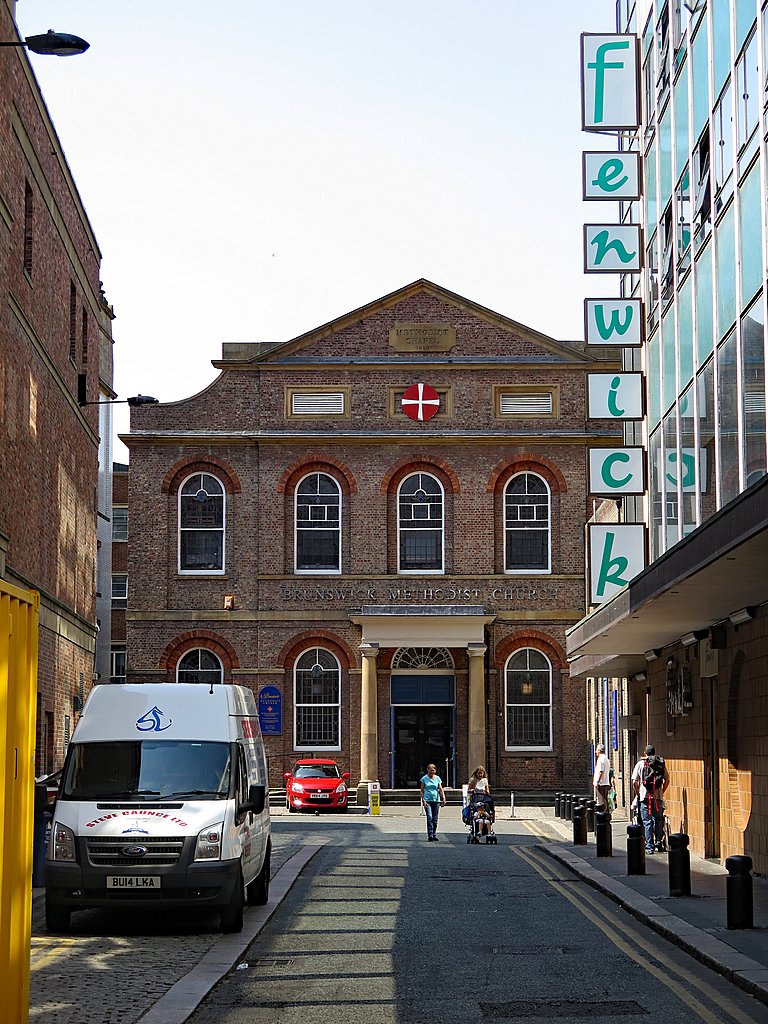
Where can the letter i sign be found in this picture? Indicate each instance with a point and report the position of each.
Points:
(420, 402)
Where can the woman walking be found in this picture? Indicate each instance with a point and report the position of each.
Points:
(432, 798)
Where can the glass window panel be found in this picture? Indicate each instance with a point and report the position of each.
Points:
(526, 511)
(202, 550)
(685, 332)
(748, 92)
(701, 104)
(705, 382)
(670, 475)
(688, 465)
(654, 494)
(721, 40)
(704, 331)
(681, 121)
(654, 389)
(119, 523)
(745, 19)
(651, 196)
(318, 524)
(751, 235)
(722, 153)
(420, 509)
(665, 153)
(728, 404)
(318, 700)
(726, 274)
(669, 387)
(753, 372)
(683, 222)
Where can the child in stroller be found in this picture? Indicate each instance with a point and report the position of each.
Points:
(479, 815)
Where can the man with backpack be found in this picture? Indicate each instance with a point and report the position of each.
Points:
(650, 779)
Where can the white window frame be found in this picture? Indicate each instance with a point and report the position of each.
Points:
(119, 508)
(119, 578)
(400, 527)
(507, 704)
(115, 651)
(203, 572)
(315, 572)
(527, 571)
(296, 705)
(197, 650)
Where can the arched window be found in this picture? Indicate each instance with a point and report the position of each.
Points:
(526, 524)
(317, 688)
(199, 666)
(420, 524)
(318, 524)
(528, 686)
(201, 525)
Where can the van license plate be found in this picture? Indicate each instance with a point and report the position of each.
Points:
(133, 881)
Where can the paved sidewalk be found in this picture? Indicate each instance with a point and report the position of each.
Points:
(696, 923)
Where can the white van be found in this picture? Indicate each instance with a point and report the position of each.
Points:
(162, 801)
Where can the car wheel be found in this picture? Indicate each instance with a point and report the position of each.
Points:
(344, 809)
(258, 890)
(56, 916)
(291, 808)
(232, 914)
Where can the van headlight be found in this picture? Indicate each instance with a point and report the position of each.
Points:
(62, 844)
(208, 845)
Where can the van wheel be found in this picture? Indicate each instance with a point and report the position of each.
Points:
(258, 890)
(56, 916)
(232, 914)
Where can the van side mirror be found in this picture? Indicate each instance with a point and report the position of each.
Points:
(257, 798)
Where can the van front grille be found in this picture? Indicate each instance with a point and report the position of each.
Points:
(110, 850)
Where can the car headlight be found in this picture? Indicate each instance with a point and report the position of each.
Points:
(208, 845)
(297, 787)
(341, 788)
(62, 844)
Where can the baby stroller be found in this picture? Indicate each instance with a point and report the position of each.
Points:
(479, 816)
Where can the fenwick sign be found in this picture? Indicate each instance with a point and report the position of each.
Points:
(610, 103)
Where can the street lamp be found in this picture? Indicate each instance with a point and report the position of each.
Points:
(134, 401)
(57, 44)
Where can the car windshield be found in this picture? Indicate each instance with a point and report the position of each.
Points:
(316, 771)
(147, 770)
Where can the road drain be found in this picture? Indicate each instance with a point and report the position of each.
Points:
(570, 1008)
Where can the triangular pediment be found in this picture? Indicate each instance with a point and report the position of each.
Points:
(419, 320)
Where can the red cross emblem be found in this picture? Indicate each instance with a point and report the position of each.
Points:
(420, 402)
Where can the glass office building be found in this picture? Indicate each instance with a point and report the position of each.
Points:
(680, 655)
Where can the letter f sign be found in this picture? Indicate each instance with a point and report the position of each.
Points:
(610, 92)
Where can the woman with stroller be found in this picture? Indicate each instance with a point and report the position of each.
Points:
(480, 803)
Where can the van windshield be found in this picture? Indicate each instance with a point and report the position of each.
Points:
(147, 770)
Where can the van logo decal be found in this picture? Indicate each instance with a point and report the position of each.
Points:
(136, 829)
(152, 721)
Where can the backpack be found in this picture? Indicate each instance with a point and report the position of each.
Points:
(652, 774)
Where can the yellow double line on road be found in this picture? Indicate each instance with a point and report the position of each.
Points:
(46, 950)
(639, 948)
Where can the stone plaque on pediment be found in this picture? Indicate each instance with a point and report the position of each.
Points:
(422, 338)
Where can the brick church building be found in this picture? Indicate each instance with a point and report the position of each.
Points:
(378, 526)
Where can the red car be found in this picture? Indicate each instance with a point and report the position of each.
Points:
(314, 784)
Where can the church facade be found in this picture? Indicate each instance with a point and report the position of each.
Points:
(378, 526)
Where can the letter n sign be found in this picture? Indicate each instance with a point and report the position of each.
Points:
(610, 82)
(616, 556)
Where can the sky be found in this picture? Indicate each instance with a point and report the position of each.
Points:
(255, 169)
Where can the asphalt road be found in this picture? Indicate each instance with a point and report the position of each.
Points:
(382, 926)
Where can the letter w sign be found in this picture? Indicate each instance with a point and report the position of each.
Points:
(613, 322)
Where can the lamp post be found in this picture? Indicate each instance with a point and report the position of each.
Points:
(57, 44)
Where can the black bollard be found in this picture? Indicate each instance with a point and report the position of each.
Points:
(603, 834)
(580, 825)
(557, 804)
(568, 807)
(591, 808)
(635, 850)
(738, 892)
(679, 865)
(562, 803)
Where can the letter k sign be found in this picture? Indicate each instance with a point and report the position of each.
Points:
(617, 555)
